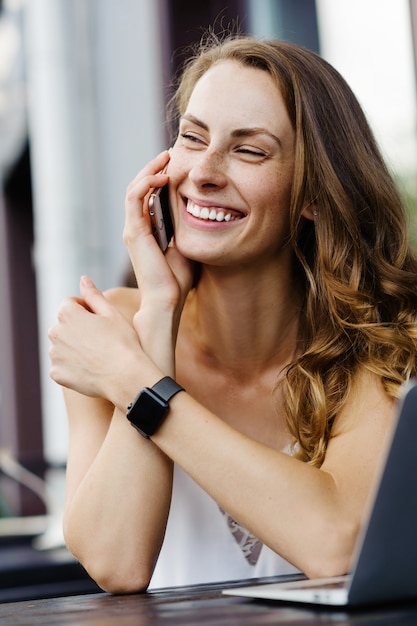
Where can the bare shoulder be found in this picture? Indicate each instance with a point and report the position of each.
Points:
(368, 405)
(361, 431)
(126, 299)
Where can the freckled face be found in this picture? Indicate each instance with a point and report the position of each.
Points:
(231, 169)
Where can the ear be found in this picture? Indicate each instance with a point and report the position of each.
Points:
(310, 212)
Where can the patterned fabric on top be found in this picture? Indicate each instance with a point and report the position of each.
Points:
(248, 543)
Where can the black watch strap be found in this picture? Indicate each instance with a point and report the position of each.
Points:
(166, 388)
(150, 407)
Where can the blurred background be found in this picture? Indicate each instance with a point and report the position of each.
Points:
(83, 88)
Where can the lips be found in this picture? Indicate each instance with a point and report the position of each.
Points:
(214, 214)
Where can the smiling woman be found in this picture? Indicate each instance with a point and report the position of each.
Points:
(234, 156)
(268, 344)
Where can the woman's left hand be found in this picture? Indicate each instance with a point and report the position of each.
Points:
(95, 351)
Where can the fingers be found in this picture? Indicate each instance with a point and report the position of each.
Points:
(92, 301)
(148, 178)
(153, 167)
(147, 260)
(94, 298)
(86, 340)
(137, 232)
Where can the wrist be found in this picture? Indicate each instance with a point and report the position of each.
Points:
(151, 406)
(157, 332)
(136, 375)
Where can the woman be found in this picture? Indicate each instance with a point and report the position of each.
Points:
(287, 311)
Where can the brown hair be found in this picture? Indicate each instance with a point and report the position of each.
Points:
(359, 273)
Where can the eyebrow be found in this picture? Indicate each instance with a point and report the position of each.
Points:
(239, 132)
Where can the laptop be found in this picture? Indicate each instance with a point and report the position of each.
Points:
(385, 560)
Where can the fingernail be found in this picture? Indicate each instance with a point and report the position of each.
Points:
(87, 282)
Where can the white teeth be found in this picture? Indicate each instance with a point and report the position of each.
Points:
(213, 214)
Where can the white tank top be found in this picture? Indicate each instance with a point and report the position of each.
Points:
(202, 544)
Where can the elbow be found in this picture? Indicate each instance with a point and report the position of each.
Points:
(118, 580)
(112, 571)
(117, 577)
(333, 555)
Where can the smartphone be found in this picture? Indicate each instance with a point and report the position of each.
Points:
(160, 215)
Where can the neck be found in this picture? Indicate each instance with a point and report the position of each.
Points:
(244, 324)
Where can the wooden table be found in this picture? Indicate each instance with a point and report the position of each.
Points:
(188, 606)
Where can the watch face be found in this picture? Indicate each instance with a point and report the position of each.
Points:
(147, 412)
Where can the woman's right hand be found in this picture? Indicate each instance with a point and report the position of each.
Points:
(163, 280)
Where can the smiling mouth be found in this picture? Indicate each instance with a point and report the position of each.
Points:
(214, 214)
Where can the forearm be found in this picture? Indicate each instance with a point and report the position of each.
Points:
(295, 509)
(116, 518)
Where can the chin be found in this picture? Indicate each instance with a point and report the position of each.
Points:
(195, 254)
(202, 249)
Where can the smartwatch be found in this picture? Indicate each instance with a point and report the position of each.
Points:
(150, 407)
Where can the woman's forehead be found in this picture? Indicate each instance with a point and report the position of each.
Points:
(241, 95)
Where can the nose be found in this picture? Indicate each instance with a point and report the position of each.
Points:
(209, 169)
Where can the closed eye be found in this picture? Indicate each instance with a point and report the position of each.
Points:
(191, 137)
(251, 151)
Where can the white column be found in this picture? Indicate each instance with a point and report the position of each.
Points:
(57, 161)
(95, 117)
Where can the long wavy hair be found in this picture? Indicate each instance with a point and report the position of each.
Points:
(354, 261)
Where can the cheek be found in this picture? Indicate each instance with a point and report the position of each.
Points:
(273, 215)
(284, 186)
(274, 198)
(178, 166)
